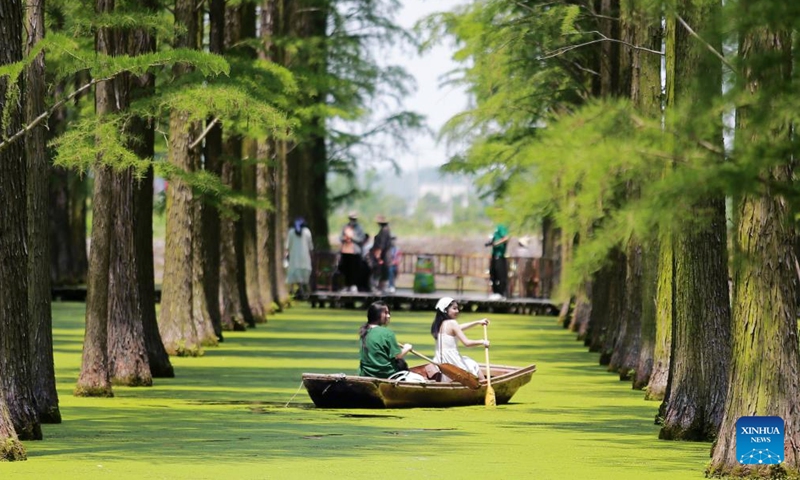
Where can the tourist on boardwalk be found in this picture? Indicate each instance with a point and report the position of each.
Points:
(447, 332)
(381, 253)
(395, 256)
(299, 248)
(498, 268)
(352, 243)
(381, 355)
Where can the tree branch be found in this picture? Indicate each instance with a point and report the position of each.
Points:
(708, 45)
(602, 38)
(46, 114)
(205, 132)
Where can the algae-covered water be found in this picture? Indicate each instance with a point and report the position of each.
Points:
(224, 415)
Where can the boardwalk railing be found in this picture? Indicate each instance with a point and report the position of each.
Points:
(527, 277)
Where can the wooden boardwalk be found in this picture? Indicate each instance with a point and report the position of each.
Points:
(408, 300)
(403, 299)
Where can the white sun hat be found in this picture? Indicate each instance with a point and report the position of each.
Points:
(443, 303)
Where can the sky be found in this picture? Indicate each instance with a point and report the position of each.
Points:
(436, 103)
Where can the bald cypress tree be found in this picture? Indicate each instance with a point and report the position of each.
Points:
(15, 325)
(701, 313)
(39, 294)
(764, 366)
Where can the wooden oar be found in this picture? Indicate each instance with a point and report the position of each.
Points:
(491, 401)
(458, 374)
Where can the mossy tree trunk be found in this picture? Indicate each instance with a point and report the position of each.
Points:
(185, 323)
(657, 386)
(94, 379)
(15, 325)
(701, 310)
(765, 360)
(646, 96)
(39, 295)
(11, 449)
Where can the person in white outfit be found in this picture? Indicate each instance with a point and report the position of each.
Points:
(447, 332)
(299, 249)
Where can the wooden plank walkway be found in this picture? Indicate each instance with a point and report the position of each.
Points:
(408, 300)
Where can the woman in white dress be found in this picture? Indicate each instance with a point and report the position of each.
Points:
(299, 248)
(447, 332)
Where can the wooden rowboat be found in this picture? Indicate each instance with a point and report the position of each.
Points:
(350, 391)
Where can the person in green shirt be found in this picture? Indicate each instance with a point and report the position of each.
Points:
(498, 268)
(381, 355)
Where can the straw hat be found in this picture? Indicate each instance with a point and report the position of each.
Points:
(381, 220)
(353, 214)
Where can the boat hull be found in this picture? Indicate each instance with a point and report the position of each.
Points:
(346, 391)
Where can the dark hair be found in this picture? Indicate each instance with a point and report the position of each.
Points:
(437, 322)
(374, 317)
(298, 225)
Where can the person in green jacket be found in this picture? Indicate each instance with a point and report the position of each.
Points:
(381, 355)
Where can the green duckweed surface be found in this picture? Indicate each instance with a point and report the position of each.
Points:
(224, 416)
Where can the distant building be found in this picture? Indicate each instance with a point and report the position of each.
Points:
(445, 191)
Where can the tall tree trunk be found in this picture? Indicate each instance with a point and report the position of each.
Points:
(213, 164)
(127, 353)
(279, 15)
(39, 295)
(94, 379)
(259, 306)
(701, 315)
(62, 262)
(185, 323)
(157, 357)
(764, 368)
(68, 259)
(235, 305)
(263, 230)
(144, 130)
(308, 161)
(625, 358)
(236, 312)
(78, 214)
(615, 304)
(657, 386)
(250, 241)
(15, 325)
(280, 222)
(646, 95)
(270, 22)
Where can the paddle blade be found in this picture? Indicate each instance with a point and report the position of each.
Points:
(491, 401)
(460, 375)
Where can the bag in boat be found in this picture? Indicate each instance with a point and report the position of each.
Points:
(406, 376)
